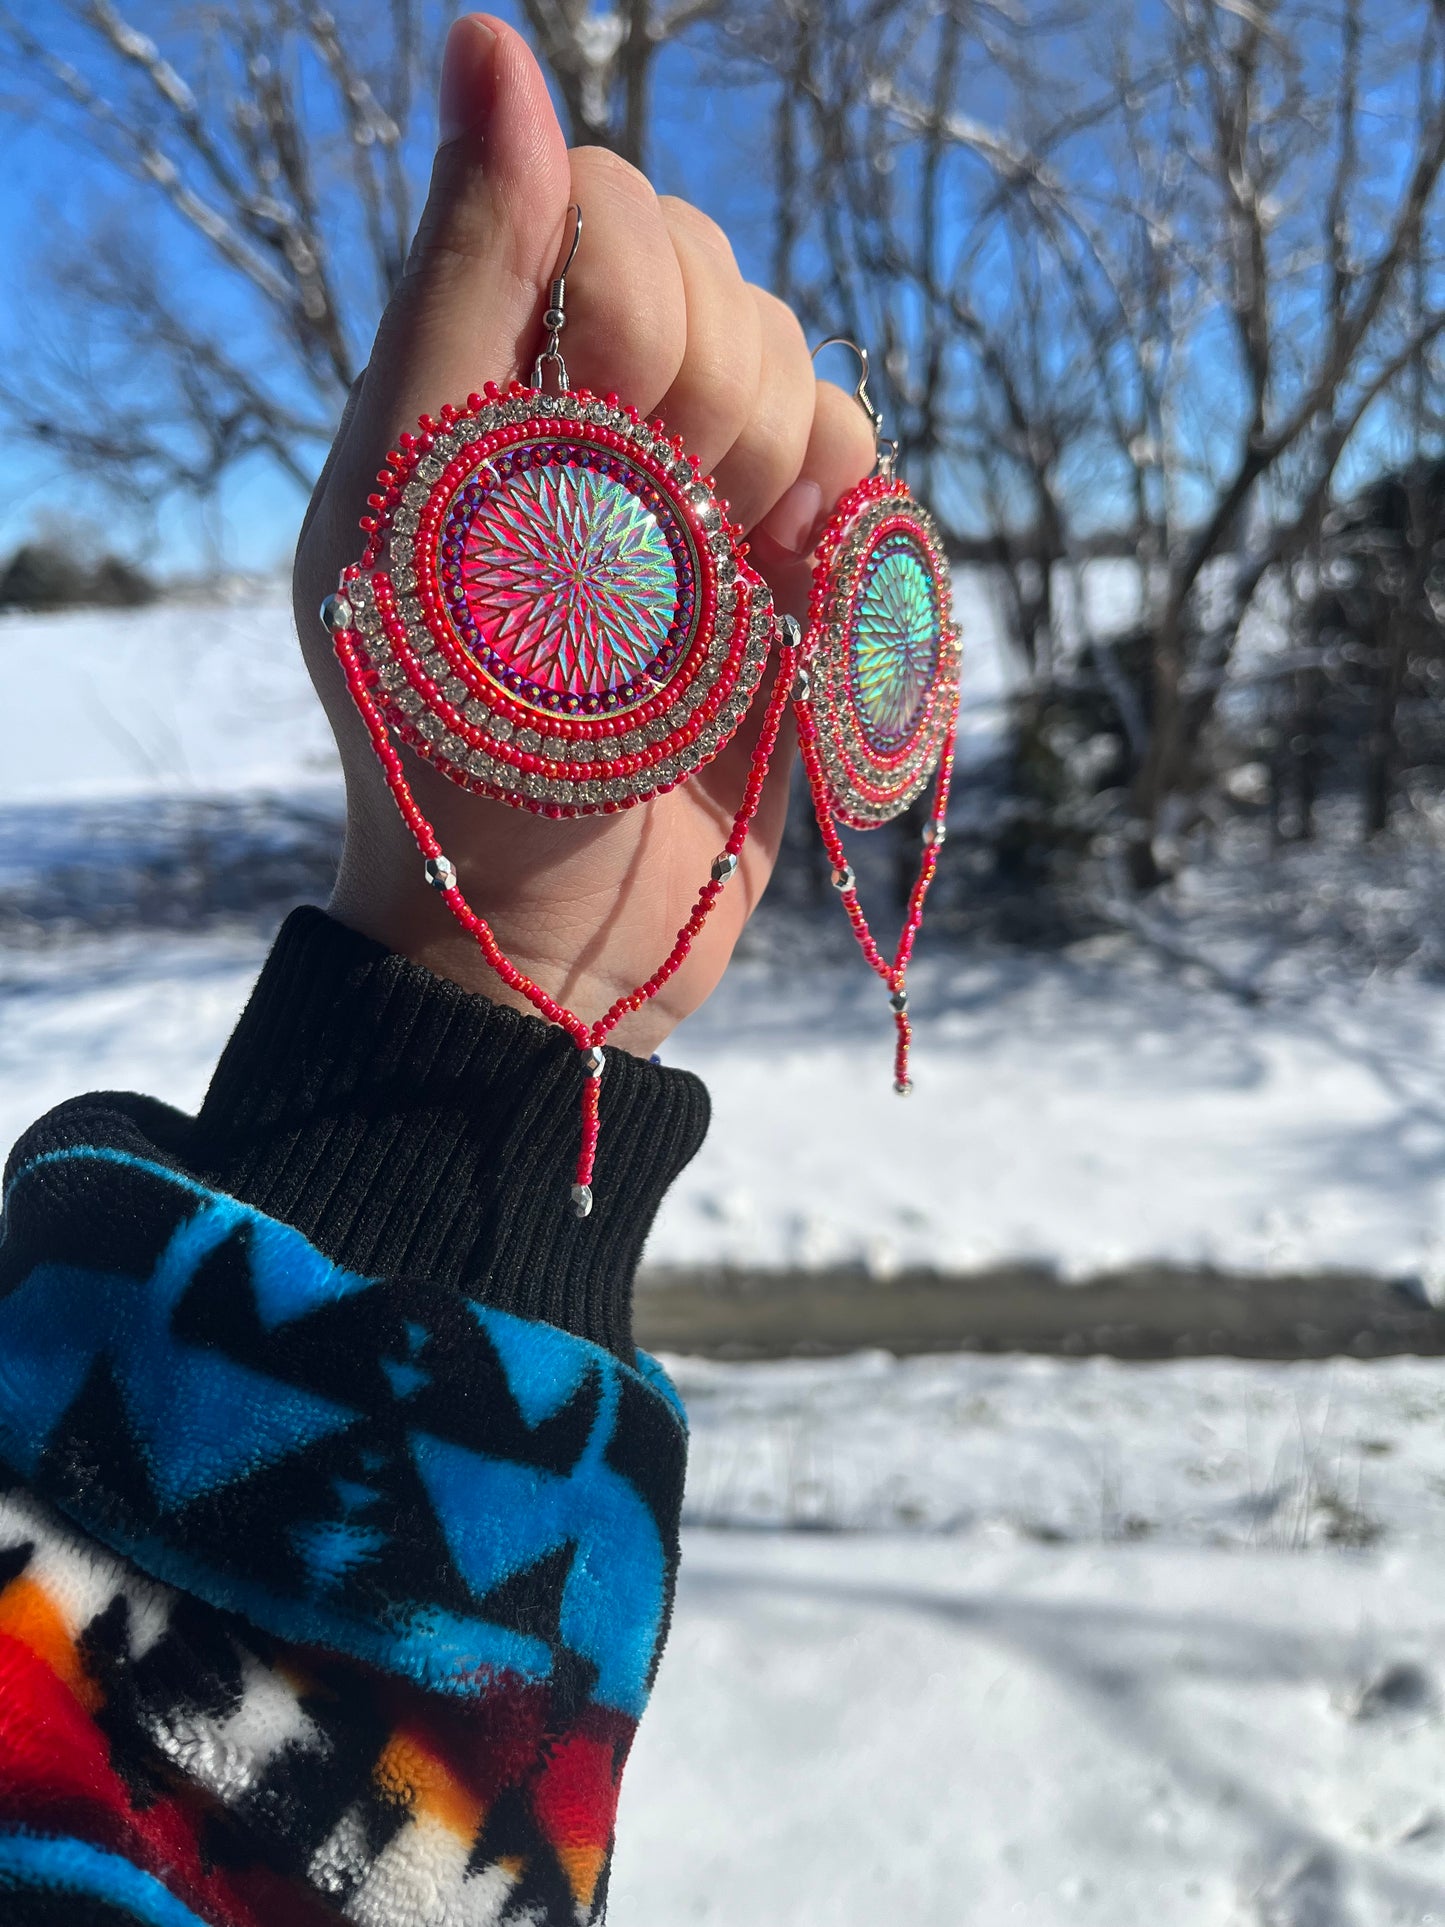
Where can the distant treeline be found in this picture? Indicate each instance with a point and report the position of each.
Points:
(42, 575)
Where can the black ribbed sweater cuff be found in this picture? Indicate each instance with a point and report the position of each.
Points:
(407, 1126)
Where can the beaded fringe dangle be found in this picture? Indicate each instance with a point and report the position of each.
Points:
(876, 698)
(554, 610)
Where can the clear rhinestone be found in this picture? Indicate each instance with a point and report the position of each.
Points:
(455, 690)
(429, 469)
(410, 701)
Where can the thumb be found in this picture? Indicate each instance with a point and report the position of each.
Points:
(466, 310)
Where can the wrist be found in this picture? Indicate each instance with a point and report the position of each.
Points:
(410, 921)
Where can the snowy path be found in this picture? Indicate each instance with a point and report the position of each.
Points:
(852, 1731)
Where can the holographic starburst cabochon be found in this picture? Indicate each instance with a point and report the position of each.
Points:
(883, 653)
(554, 604)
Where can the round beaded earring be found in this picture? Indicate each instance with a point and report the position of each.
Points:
(554, 609)
(876, 698)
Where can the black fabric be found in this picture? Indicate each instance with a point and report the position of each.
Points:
(408, 1127)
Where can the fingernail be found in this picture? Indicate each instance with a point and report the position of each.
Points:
(465, 96)
(793, 517)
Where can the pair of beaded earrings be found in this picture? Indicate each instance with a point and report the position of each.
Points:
(554, 609)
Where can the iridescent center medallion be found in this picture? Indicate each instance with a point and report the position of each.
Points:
(569, 576)
(893, 653)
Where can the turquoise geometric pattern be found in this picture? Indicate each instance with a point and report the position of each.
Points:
(434, 1486)
(893, 654)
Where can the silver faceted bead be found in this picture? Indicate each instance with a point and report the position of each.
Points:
(935, 832)
(899, 1001)
(724, 867)
(581, 1200)
(593, 1060)
(802, 687)
(843, 879)
(441, 873)
(337, 613)
(904, 1087)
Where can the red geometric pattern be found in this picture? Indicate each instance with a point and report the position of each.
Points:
(554, 608)
(570, 578)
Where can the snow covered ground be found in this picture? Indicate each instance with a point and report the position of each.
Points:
(959, 1641)
(857, 1732)
(1065, 1642)
(1088, 1114)
(1087, 1110)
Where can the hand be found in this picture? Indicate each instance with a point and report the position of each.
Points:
(658, 311)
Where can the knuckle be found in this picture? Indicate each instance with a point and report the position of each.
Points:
(683, 218)
(777, 444)
(783, 328)
(609, 172)
(636, 335)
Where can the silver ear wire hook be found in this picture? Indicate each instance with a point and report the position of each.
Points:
(886, 449)
(555, 318)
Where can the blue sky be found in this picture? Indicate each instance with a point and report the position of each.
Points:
(49, 189)
(706, 145)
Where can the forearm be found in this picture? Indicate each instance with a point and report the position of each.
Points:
(329, 1463)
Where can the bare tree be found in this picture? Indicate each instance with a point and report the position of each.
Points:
(603, 58)
(1145, 289)
(268, 160)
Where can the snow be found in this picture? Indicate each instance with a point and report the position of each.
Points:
(1088, 1114)
(1082, 1114)
(958, 1639)
(850, 1731)
(1087, 1111)
(1063, 1112)
(178, 698)
(1210, 1452)
(1162, 1643)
